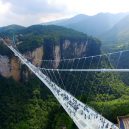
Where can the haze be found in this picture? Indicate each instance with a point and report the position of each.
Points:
(28, 12)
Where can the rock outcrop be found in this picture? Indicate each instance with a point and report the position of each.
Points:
(11, 67)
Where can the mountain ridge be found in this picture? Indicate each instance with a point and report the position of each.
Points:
(119, 32)
(92, 25)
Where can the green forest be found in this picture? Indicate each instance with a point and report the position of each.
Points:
(30, 105)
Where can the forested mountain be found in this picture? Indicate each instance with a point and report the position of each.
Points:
(27, 104)
(111, 29)
(54, 36)
(92, 25)
(119, 33)
(11, 29)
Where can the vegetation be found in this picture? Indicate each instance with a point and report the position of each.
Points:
(4, 50)
(10, 30)
(37, 35)
(30, 105)
(24, 106)
(112, 109)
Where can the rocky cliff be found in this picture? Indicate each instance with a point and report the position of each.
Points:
(11, 66)
(39, 43)
(64, 49)
(68, 48)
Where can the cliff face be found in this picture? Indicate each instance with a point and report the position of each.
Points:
(66, 49)
(11, 67)
(39, 43)
(56, 51)
(57, 56)
(15, 68)
(5, 66)
(63, 49)
(36, 56)
(72, 49)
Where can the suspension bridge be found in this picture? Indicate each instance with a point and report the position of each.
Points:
(84, 116)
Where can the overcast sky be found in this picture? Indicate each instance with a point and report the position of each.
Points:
(28, 12)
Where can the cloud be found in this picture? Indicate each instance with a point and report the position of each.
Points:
(4, 8)
(27, 12)
(34, 6)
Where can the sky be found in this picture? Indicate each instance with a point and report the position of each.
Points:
(29, 12)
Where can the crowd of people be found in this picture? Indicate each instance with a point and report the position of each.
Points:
(76, 107)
